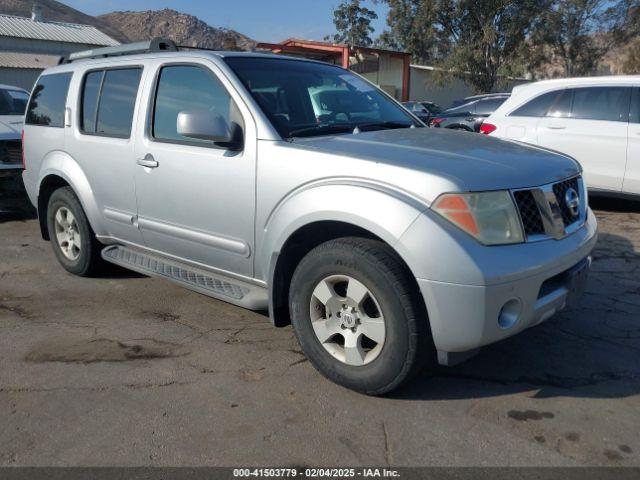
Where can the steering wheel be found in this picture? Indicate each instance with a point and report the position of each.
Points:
(333, 116)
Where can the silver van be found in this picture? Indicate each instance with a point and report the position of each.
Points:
(298, 187)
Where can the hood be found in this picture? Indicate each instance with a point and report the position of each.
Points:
(472, 161)
(10, 126)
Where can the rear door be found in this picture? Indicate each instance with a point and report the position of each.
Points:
(590, 124)
(632, 174)
(100, 140)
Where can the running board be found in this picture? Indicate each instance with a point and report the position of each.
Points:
(213, 285)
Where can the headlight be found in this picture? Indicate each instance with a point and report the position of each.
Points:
(490, 217)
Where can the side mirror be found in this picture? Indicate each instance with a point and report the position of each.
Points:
(205, 125)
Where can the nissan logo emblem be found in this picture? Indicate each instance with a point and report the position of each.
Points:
(572, 201)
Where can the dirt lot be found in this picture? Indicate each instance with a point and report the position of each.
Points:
(128, 370)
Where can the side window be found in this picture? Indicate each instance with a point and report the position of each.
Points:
(487, 107)
(48, 100)
(601, 103)
(634, 115)
(561, 107)
(537, 107)
(108, 101)
(90, 93)
(187, 87)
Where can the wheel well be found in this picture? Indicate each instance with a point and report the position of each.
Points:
(50, 184)
(295, 248)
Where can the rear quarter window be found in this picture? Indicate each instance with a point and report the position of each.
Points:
(537, 107)
(48, 100)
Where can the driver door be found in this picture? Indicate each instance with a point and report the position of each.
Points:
(196, 200)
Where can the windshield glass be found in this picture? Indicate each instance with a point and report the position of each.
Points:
(307, 98)
(13, 102)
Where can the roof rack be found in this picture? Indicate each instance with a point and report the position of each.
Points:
(157, 44)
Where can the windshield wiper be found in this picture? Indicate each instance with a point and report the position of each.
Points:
(321, 129)
(384, 125)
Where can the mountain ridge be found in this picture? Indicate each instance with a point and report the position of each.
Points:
(131, 26)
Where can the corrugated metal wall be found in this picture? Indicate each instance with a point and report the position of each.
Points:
(25, 78)
(12, 44)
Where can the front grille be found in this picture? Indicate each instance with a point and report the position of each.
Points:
(544, 211)
(560, 190)
(11, 152)
(529, 212)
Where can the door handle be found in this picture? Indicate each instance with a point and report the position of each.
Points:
(148, 161)
(556, 127)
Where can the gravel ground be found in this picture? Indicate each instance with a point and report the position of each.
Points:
(129, 370)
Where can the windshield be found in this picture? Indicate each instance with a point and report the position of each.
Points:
(13, 102)
(307, 98)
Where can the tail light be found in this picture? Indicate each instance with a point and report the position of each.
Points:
(24, 160)
(487, 128)
(437, 121)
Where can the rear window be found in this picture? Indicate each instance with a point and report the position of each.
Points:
(13, 102)
(108, 101)
(48, 100)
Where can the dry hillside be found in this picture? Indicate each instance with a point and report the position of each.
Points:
(182, 28)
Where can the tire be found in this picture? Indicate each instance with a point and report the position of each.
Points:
(82, 254)
(379, 363)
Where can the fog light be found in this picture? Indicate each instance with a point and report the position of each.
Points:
(510, 313)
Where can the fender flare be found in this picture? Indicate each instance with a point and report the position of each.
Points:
(385, 213)
(60, 164)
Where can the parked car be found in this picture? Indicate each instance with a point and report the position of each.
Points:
(462, 101)
(595, 120)
(13, 103)
(387, 245)
(469, 116)
(425, 111)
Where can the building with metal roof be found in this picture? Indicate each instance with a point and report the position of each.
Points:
(29, 45)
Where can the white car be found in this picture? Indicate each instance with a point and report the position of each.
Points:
(595, 120)
(13, 103)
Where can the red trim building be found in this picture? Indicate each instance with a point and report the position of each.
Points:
(389, 69)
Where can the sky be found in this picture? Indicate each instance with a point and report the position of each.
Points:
(262, 20)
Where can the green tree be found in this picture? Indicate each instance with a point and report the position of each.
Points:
(413, 28)
(631, 64)
(486, 36)
(353, 24)
(473, 39)
(578, 33)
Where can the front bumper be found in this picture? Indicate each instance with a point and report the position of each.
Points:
(533, 279)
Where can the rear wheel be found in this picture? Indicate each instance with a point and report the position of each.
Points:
(72, 238)
(358, 316)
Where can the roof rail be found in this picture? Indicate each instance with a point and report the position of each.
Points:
(157, 44)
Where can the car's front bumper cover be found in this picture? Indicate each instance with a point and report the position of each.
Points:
(537, 278)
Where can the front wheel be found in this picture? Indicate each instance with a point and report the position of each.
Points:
(358, 315)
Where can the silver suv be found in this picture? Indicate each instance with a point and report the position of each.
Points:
(299, 187)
